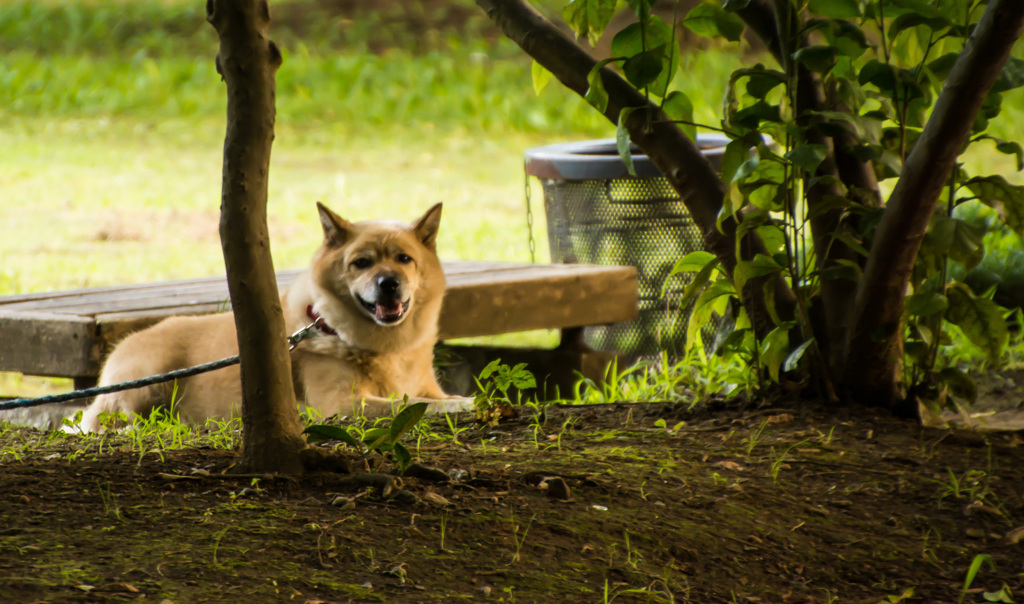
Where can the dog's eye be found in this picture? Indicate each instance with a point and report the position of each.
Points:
(404, 258)
(362, 263)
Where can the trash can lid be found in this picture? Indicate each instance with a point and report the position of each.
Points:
(599, 159)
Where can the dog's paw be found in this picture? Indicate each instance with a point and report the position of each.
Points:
(452, 404)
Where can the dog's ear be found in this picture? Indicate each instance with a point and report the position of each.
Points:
(337, 230)
(426, 227)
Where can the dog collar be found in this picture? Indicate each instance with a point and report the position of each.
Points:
(318, 321)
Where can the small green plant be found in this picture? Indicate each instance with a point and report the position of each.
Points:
(755, 437)
(972, 572)
(517, 539)
(444, 528)
(452, 419)
(109, 500)
(493, 384)
(385, 441)
(781, 459)
(216, 541)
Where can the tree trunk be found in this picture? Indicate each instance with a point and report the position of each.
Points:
(669, 149)
(874, 346)
(248, 62)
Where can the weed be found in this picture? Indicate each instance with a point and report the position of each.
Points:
(755, 437)
(216, 541)
(493, 383)
(517, 539)
(826, 439)
(384, 441)
(781, 459)
(452, 420)
(109, 500)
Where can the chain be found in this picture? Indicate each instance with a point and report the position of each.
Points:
(529, 219)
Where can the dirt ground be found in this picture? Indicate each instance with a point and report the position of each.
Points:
(725, 502)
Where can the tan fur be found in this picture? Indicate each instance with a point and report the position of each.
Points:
(365, 368)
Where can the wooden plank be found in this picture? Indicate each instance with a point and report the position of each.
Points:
(476, 307)
(44, 344)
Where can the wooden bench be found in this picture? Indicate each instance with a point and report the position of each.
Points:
(69, 333)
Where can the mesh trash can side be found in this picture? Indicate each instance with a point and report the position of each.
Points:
(598, 214)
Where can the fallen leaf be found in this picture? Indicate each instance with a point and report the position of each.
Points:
(436, 499)
(1015, 535)
(728, 465)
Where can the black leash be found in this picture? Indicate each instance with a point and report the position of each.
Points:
(293, 341)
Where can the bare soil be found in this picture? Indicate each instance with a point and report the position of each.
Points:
(741, 503)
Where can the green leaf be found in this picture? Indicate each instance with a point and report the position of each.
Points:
(794, 357)
(697, 283)
(679, 107)
(760, 81)
(541, 77)
(693, 262)
(960, 239)
(589, 17)
(634, 40)
(835, 9)
(705, 306)
(321, 432)
(596, 94)
(1012, 75)
(943, 64)
(736, 152)
(980, 319)
(1007, 148)
(746, 168)
(959, 384)
(402, 457)
(376, 438)
(711, 20)
(1007, 199)
(820, 59)
(774, 349)
(760, 266)
(489, 369)
(914, 19)
(972, 571)
(808, 157)
(926, 304)
(522, 378)
(622, 140)
(882, 75)
(406, 419)
(644, 68)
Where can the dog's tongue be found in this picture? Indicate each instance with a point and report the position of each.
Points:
(388, 309)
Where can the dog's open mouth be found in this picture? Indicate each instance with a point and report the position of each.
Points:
(386, 311)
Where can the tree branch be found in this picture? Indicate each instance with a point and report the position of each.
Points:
(874, 338)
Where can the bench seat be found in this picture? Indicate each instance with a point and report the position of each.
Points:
(68, 333)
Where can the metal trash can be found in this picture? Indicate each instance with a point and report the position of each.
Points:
(598, 214)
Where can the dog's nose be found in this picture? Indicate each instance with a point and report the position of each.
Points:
(388, 285)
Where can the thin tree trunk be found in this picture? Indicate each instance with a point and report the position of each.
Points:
(248, 62)
(874, 347)
(671, 151)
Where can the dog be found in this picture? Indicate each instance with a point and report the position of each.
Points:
(373, 294)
